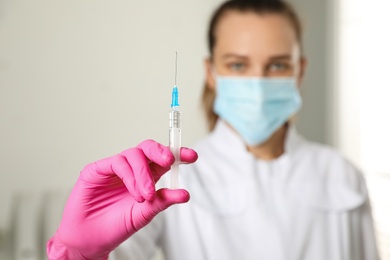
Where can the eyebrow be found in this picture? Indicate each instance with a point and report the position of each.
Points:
(234, 55)
(239, 56)
(281, 57)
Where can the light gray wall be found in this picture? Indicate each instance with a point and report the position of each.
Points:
(315, 119)
(83, 80)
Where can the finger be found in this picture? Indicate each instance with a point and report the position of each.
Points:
(157, 153)
(142, 173)
(158, 171)
(188, 155)
(102, 172)
(166, 198)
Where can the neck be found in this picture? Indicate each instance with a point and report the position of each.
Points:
(273, 147)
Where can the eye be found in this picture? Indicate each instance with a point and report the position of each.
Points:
(237, 66)
(278, 66)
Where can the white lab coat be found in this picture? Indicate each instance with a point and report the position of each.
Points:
(308, 204)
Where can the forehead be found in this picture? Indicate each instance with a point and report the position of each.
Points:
(249, 33)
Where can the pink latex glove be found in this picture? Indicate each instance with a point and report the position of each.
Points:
(112, 199)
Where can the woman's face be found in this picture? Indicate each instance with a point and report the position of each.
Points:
(253, 45)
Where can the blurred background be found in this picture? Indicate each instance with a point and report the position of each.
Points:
(83, 80)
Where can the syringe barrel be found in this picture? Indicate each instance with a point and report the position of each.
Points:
(175, 133)
(175, 119)
(175, 144)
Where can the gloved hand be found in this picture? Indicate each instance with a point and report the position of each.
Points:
(113, 198)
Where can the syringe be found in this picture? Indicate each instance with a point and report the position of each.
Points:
(175, 132)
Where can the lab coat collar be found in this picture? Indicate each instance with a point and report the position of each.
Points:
(315, 191)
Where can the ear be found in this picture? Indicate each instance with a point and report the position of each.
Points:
(302, 70)
(210, 80)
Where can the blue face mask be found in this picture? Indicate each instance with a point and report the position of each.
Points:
(256, 107)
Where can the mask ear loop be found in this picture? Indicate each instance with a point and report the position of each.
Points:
(214, 72)
(215, 76)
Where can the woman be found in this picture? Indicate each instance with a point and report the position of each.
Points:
(259, 190)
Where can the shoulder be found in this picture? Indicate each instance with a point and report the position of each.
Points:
(327, 160)
(332, 181)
